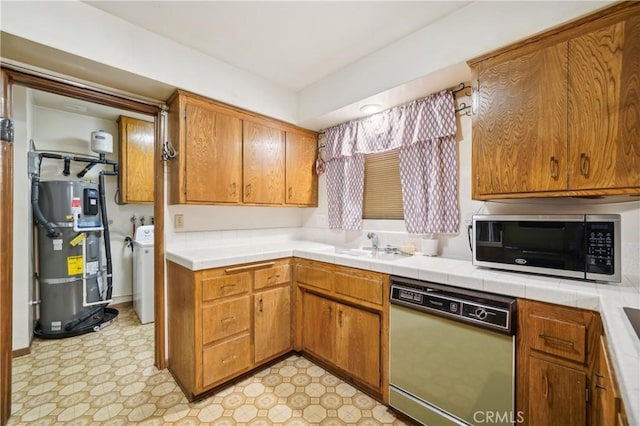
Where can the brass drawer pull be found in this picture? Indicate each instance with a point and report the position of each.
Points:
(558, 341)
(228, 286)
(227, 319)
(248, 267)
(554, 167)
(584, 164)
(229, 359)
(273, 277)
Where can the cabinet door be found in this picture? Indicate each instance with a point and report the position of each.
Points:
(604, 107)
(272, 323)
(520, 128)
(358, 343)
(264, 164)
(318, 326)
(605, 407)
(213, 161)
(557, 394)
(136, 156)
(301, 179)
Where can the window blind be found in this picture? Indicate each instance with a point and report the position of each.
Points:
(382, 191)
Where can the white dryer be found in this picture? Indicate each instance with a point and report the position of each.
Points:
(143, 294)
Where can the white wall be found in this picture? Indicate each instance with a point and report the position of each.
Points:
(474, 30)
(22, 230)
(82, 30)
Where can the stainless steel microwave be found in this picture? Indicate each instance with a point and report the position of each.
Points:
(576, 246)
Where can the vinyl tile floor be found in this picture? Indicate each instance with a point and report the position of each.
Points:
(109, 378)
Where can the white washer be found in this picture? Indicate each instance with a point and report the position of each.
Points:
(143, 294)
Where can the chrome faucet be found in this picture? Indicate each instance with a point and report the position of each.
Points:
(374, 240)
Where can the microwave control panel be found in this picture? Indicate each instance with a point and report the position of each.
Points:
(600, 244)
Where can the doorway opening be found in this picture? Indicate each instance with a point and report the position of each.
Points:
(55, 115)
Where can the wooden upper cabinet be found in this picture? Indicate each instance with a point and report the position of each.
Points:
(136, 160)
(264, 162)
(226, 155)
(301, 181)
(520, 130)
(559, 114)
(208, 141)
(604, 107)
(213, 166)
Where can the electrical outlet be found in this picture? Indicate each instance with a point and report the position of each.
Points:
(178, 221)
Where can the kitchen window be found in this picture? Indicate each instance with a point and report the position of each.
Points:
(382, 191)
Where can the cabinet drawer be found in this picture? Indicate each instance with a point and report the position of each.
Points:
(221, 320)
(228, 285)
(316, 277)
(364, 288)
(560, 338)
(225, 360)
(271, 276)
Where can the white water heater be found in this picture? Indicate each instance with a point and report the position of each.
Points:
(101, 142)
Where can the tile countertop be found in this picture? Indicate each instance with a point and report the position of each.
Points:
(608, 299)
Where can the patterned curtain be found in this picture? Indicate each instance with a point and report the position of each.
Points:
(425, 131)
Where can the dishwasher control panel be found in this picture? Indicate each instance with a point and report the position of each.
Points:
(483, 309)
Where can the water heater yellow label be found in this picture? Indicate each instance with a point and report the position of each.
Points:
(74, 265)
(77, 240)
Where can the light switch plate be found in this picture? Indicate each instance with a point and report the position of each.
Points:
(178, 221)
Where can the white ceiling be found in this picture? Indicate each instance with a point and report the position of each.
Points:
(77, 106)
(293, 44)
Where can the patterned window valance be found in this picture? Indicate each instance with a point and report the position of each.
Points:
(424, 130)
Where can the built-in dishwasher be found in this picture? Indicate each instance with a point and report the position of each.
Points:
(451, 354)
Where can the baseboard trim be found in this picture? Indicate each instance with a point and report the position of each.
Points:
(122, 305)
(21, 352)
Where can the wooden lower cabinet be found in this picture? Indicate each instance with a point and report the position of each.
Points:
(607, 408)
(556, 394)
(563, 372)
(556, 347)
(318, 326)
(343, 322)
(272, 323)
(225, 360)
(358, 342)
(226, 321)
(343, 335)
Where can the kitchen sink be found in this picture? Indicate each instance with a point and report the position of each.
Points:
(373, 254)
(634, 318)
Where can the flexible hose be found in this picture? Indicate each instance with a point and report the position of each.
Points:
(72, 324)
(37, 212)
(107, 236)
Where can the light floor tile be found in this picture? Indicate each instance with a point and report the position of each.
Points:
(108, 378)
